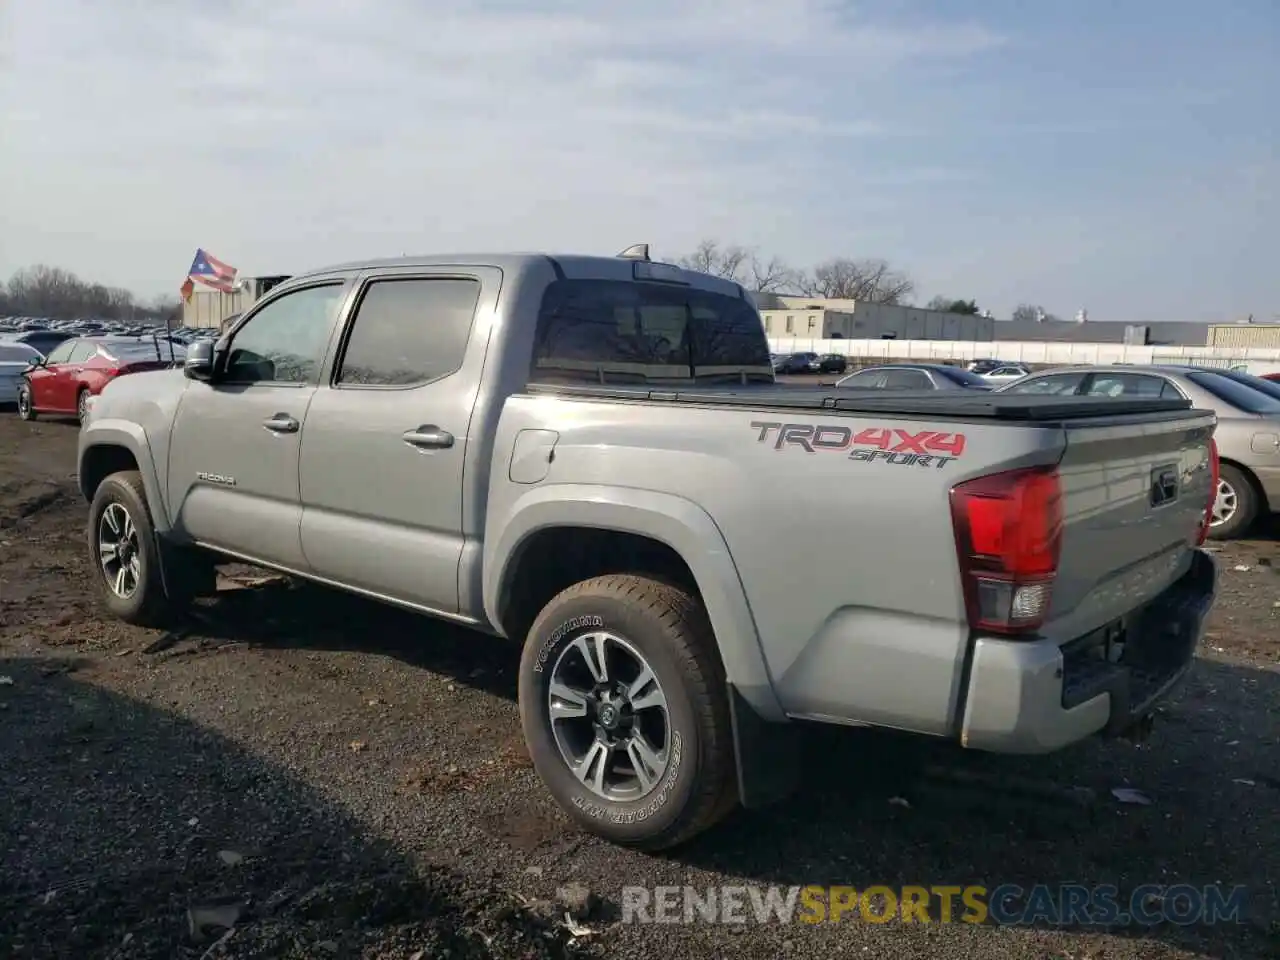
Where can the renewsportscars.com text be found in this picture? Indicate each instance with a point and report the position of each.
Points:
(1071, 905)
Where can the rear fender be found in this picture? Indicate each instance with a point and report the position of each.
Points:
(763, 735)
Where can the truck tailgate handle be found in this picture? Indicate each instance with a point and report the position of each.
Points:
(281, 423)
(428, 437)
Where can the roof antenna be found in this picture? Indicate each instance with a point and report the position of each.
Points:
(637, 251)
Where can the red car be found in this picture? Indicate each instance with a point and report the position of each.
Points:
(1274, 377)
(77, 369)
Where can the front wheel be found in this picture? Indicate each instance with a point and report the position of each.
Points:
(82, 406)
(1235, 505)
(125, 556)
(625, 711)
(26, 406)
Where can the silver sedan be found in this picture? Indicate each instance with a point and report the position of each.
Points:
(15, 358)
(914, 376)
(1247, 435)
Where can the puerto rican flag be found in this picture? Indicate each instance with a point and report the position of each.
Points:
(212, 272)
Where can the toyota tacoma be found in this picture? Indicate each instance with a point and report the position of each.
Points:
(589, 456)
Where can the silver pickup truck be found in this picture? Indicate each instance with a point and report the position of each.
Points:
(590, 456)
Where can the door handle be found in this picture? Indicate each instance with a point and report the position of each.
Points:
(281, 423)
(428, 437)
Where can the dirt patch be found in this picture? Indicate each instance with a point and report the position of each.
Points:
(22, 499)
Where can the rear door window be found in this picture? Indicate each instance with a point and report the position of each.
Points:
(1060, 384)
(612, 331)
(962, 377)
(84, 351)
(864, 379)
(409, 331)
(1129, 385)
(907, 380)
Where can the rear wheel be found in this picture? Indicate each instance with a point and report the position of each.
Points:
(1235, 506)
(82, 406)
(26, 407)
(625, 711)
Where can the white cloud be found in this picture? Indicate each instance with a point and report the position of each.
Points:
(289, 134)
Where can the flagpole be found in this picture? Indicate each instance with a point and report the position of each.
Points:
(168, 334)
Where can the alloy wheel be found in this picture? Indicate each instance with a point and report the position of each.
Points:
(119, 550)
(1225, 504)
(609, 717)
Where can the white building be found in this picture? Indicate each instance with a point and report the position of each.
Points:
(820, 318)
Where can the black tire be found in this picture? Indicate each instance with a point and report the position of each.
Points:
(147, 605)
(26, 404)
(1246, 505)
(82, 398)
(669, 628)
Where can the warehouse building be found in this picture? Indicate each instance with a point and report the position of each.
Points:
(819, 318)
(831, 319)
(1167, 333)
(1244, 335)
(209, 308)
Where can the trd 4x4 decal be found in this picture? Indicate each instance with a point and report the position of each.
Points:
(928, 448)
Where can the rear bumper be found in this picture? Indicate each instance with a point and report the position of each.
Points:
(1038, 697)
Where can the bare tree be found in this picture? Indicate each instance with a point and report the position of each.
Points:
(873, 281)
(710, 257)
(772, 276)
(43, 291)
(742, 265)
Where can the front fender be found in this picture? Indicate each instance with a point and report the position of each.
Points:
(680, 524)
(126, 435)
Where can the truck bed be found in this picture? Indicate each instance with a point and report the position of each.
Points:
(1012, 407)
(835, 506)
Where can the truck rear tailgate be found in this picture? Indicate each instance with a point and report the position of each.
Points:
(1134, 498)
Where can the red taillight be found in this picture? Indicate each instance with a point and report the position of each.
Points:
(1215, 472)
(1008, 529)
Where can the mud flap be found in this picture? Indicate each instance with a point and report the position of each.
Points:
(767, 755)
(177, 576)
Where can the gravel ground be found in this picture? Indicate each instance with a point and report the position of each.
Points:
(303, 774)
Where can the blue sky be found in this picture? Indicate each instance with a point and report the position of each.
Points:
(1118, 156)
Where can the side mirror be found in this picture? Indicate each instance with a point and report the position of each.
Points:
(199, 363)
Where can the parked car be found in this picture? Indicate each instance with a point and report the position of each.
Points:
(829, 363)
(42, 340)
(1006, 374)
(15, 360)
(793, 363)
(1247, 435)
(600, 511)
(914, 376)
(77, 369)
(1272, 377)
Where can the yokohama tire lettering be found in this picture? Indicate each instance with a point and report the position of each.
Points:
(576, 623)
